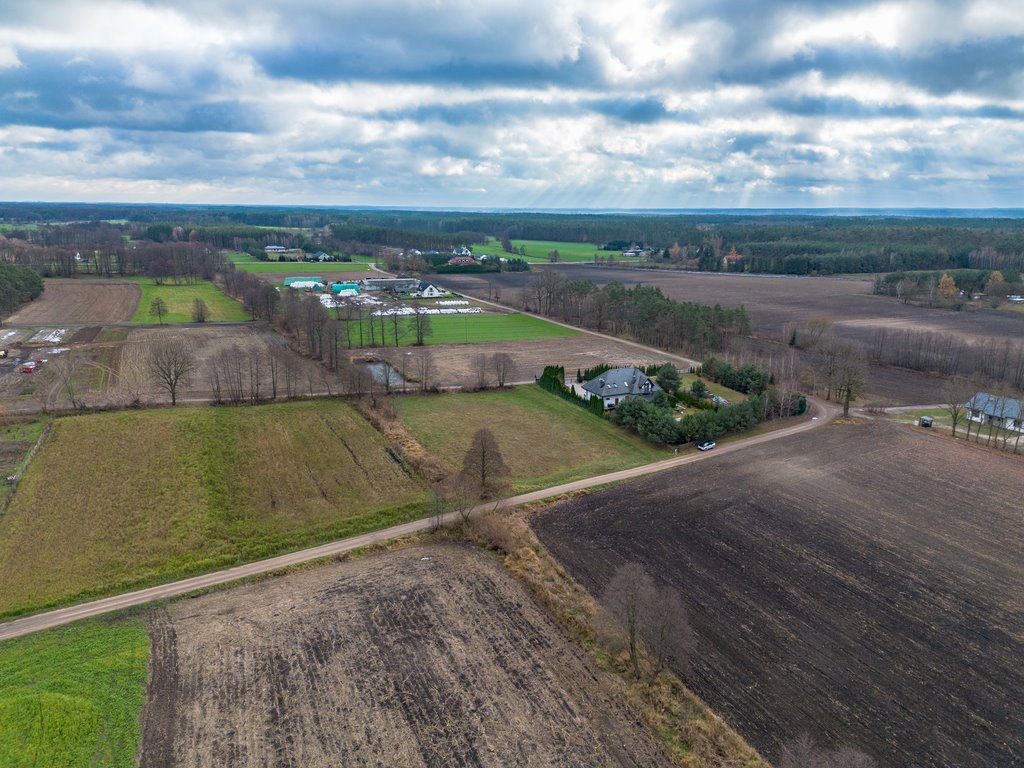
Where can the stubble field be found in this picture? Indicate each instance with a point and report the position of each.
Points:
(428, 656)
(862, 582)
(80, 301)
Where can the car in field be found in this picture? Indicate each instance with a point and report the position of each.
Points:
(707, 445)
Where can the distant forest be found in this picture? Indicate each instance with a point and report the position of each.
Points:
(774, 244)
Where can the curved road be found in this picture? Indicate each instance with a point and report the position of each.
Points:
(824, 413)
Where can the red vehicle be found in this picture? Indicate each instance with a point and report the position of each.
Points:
(31, 366)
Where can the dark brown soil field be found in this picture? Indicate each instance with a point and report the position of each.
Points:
(80, 301)
(862, 582)
(775, 303)
(428, 656)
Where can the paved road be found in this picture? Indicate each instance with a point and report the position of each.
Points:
(822, 413)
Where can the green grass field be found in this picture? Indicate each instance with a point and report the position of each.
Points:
(120, 500)
(73, 696)
(247, 263)
(544, 440)
(318, 270)
(16, 440)
(715, 389)
(537, 250)
(179, 300)
(469, 329)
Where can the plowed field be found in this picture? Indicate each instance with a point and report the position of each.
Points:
(80, 301)
(430, 656)
(861, 582)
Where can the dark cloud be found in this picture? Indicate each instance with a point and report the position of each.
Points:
(631, 110)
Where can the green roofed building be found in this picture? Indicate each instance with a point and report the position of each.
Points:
(307, 279)
(347, 289)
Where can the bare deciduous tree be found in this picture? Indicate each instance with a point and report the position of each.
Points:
(171, 362)
(956, 392)
(503, 364)
(423, 368)
(480, 368)
(850, 375)
(627, 599)
(484, 470)
(635, 609)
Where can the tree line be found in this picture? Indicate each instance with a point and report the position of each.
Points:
(18, 285)
(642, 313)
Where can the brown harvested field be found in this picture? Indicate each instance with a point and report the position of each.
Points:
(80, 301)
(776, 302)
(427, 656)
(863, 582)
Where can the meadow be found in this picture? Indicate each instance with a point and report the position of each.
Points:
(538, 250)
(469, 329)
(247, 263)
(544, 440)
(73, 696)
(162, 494)
(179, 299)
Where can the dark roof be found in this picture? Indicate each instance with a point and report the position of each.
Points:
(620, 381)
(994, 405)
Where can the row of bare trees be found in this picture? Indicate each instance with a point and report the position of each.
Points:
(998, 360)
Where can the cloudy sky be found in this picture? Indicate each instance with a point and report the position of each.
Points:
(517, 103)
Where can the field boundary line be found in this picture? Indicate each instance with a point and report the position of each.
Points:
(24, 465)
(60, 616)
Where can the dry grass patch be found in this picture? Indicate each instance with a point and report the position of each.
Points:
(121, 500)
(544, 440)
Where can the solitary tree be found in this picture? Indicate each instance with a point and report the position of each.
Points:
(158, 309)
(419, 322)
(627, 600)
(503, 364)
(699, 388)
(996, 289)
(850, 375)
(947, 287)
(668, 378)
(554, 256)
(484, 469)
(956, 392)
(171, 362)
(200, 312)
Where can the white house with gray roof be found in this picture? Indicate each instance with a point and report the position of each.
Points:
(618, 383)
(1004, 412)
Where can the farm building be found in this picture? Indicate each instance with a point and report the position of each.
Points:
(459, 261)
(302, 283)
(1004, 412)
(345, 289)
(275, 249)
(393, 284)
(619, 383)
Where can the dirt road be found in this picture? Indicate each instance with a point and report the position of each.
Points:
(823, 413)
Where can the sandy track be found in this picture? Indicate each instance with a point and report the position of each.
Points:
(29, 624)
(80, 301)
(429, 656)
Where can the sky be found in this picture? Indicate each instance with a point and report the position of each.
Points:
(514, 104)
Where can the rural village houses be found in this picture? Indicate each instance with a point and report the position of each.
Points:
(615, 384)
